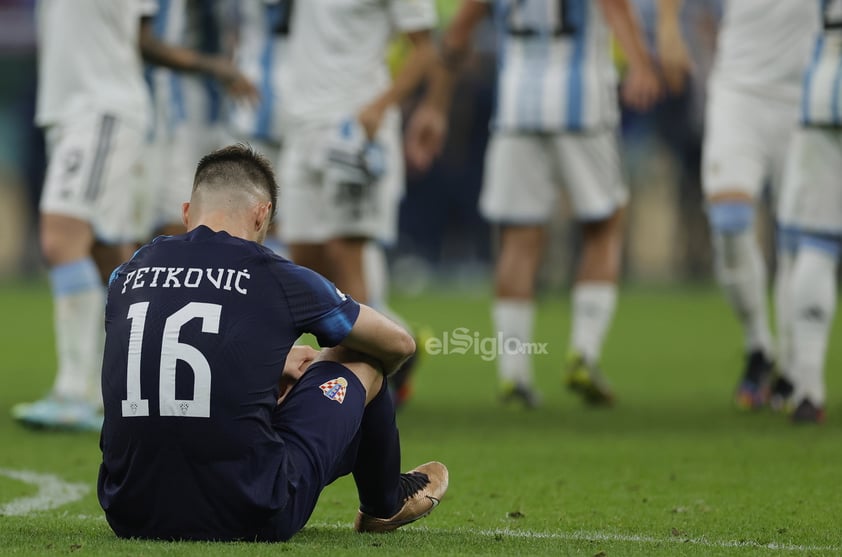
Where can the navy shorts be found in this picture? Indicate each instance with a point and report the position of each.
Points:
(319, 422)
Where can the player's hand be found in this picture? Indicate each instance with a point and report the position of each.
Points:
(236, 84)
(641, 88)
(298, 360)
(673, 58)
(425, 136)
(370, 118)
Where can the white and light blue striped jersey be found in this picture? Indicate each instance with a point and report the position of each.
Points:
(764, 46)
(555, 69)
(262, 28)
(821, 103)
(183, 99)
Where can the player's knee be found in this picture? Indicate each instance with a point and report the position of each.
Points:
(731, 217)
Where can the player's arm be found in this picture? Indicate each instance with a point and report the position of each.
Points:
(377, 336)
(157, 52)
(405, 82)
(427, 127)
(641, 87)
(672, 50)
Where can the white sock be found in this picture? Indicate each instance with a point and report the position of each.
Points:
(741, 271)
(813, 308)
(513, 318)
(376, 272)
(79, 309)
(593, 311)
(783, 311)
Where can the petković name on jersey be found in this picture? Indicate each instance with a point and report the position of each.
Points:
(187, 277)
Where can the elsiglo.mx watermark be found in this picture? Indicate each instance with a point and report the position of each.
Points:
(462, 340)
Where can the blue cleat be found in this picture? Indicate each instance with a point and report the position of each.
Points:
(753, 390)
(58, 413)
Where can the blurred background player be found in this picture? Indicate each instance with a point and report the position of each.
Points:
(94, 108)
(752, 110)
(555, 123)
(341, 168)
(258, 31)
(811, 212)
(188, 109)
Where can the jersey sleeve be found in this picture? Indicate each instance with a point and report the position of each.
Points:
(317, 306)
(413, 15)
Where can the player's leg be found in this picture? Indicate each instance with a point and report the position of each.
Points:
(813, 308)
(590, 166)
(337, 420)
(734, 169)
(817, 212)
(92, 178)
(519, 195)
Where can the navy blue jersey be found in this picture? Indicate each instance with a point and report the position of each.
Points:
(198, 328)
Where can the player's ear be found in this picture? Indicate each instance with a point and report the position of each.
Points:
(262, 215)
(185, 214)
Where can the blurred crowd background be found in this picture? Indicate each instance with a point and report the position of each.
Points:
(442, 236)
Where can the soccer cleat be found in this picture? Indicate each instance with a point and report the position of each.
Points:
(512, 391)
(808, 413)
(780, 393)
(753, 390)
(422, 490)
(587, 380)
(58, 413)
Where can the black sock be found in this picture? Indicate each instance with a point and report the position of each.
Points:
(378, 465)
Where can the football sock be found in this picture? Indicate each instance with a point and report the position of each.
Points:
(741, 272)
(378, 464)
(813, 307)
(783, 311)
(593, 311)
(376, 272)
(79, 305)
(513, 318)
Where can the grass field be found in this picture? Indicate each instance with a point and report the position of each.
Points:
(672, 470)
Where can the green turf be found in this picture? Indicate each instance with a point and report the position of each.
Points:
(672, 470)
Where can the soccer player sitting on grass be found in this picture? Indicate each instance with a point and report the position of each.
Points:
(204, 436)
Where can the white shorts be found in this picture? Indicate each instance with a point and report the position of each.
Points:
(172, 166)
(312, 210)
(96, 174)
(746, 140)
(811, 198)
(524, 172)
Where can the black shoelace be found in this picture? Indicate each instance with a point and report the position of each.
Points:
(412, 483)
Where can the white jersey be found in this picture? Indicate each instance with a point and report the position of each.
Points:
(821, 103)
(89, 60)
(764, 45)
(261, 41)
(555, 71)
(336, 58)
(179, 98)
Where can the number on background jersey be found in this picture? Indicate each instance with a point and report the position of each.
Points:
(832, 14)
(561, 26)
(171, 351)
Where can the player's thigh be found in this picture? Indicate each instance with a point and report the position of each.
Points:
(96, 174)
(589, 167)
(301, 196)
(738, 142)
(318, 423)
(518, 183)
(811, 199)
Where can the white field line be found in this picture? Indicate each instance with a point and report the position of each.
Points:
(53, 492)
(580, 535)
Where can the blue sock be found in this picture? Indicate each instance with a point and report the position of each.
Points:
(377, 467)
(76, 276)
